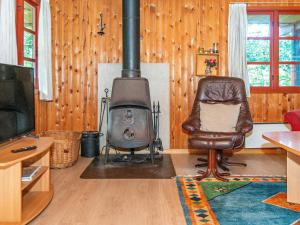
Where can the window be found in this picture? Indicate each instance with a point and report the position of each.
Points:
(273, 50)
(27, 11)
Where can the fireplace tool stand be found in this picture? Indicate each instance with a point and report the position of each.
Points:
(132, 157)
(103, 113)
(157, 141)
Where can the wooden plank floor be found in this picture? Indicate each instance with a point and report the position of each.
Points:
(133, 202)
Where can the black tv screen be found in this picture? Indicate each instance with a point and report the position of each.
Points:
(16, 101)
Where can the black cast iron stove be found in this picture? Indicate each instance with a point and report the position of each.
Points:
(130, 124)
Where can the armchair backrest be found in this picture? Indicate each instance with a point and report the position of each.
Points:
(227, 90)
(221, 90)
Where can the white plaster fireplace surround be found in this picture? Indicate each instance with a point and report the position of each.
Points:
(158, 75)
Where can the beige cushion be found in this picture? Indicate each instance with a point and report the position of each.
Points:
(219, 117)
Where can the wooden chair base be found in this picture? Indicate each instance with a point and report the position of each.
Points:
(212, 168)
(221, 162)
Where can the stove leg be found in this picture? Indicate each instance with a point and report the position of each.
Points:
(132, 151)
(106, 154)
(152, 151)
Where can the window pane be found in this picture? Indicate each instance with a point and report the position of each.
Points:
(289, 25)
(29, 64)
(289, 50)
(259, 75)
(29, 41)
(258, 51)
(258, 25)
(289, 75)
(29, 16)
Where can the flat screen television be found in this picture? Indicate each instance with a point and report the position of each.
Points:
(16, 101)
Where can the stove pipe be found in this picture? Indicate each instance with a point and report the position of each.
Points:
(131, 38)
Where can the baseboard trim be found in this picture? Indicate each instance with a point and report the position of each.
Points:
(266, 151)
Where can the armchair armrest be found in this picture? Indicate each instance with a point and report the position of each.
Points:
(191, 124)
(245, 127)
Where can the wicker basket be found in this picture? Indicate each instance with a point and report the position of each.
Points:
(65, 150)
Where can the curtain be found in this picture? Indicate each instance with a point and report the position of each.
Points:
(237, 41)
(44, 52)
(8, 35)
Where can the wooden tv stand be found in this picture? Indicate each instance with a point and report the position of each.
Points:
(20, 202)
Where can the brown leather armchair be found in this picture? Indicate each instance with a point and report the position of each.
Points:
(212, 90)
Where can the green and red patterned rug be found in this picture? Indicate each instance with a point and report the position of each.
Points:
(241, 201)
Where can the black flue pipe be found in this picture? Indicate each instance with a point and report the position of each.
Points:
(131, 38)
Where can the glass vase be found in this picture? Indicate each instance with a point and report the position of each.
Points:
(208, 71)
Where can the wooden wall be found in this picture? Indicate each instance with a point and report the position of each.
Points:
(171, 32)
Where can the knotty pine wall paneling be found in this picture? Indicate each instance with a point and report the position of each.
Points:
(171, 32)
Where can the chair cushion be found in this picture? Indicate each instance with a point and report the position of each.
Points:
(219, 117)
(218, 141)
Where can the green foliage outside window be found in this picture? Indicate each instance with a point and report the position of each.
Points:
(28, 45)
(260, 34)
(259, 50)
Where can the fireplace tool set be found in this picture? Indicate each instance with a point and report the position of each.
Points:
(157, 141)
(103, 114)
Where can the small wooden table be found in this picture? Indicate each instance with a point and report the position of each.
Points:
(21, 201)
(289, 141)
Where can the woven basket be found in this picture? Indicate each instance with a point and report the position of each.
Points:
(65, 150)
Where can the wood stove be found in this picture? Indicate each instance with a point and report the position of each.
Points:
(130, 124)
(130, 118)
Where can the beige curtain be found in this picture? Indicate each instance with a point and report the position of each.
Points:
(8, 35)
(237, 41)
(44, 52)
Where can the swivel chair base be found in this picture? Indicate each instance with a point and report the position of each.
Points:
(221, 162)
(212, 168)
